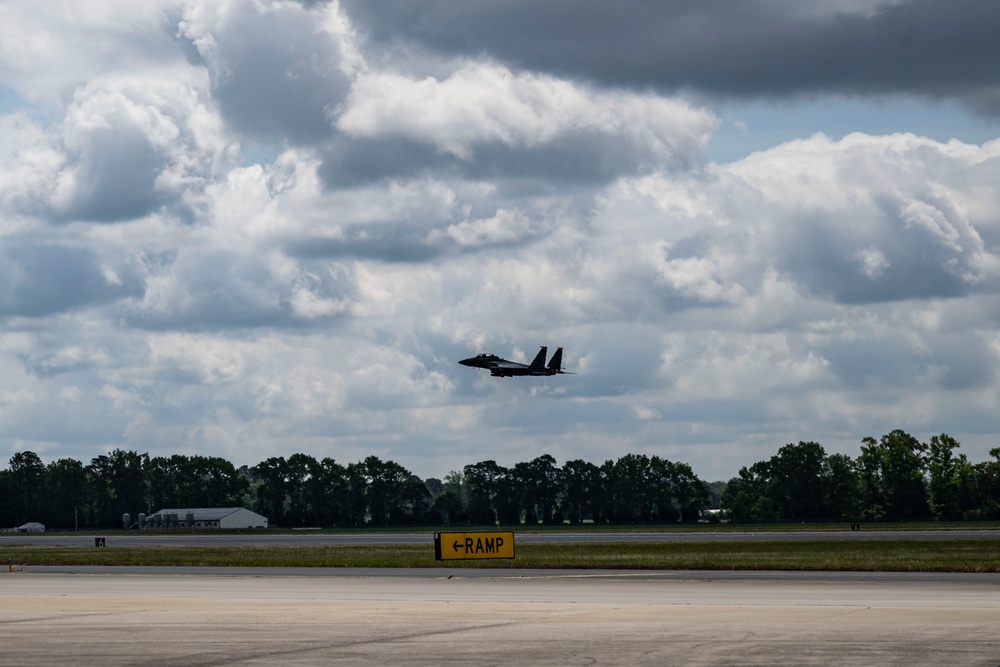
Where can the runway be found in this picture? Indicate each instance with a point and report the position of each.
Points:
(249, 616)
(309, 539)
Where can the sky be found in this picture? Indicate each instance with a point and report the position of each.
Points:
(250, 228)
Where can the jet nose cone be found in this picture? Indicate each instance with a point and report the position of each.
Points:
(466, 362)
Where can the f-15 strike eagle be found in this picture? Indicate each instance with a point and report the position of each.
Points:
(501, 368)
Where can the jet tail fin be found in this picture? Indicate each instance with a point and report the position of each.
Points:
(538, 363)
(555, 364)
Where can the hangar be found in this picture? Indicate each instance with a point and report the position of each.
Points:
(205, 517)
(31, 527)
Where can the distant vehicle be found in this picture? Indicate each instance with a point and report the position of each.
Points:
(501, 368)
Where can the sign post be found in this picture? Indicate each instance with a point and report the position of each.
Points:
(465, 546)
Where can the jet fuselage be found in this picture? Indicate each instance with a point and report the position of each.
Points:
(499, 367)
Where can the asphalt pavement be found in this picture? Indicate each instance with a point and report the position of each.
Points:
(208, 539)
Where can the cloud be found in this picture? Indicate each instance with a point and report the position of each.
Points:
(135, 145)
(49, 51)
(250, 228)
(276, 68)
(39, 278)
(898, 201)
(126, 147)
(872, 261)
(71, 359)
(863, 220)
(28, 164)
(482, 104)
(486, 122)
(920, 47)
(214, 288)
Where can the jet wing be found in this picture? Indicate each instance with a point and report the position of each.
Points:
(492, 361)
(506, 368)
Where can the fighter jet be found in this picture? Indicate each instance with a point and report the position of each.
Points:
(500, 368)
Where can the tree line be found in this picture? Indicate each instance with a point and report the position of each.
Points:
(303, 491)
(896, 478)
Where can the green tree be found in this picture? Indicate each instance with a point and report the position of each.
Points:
(7, 512)
(483, 482)
(943, 481)
(581, 486)
(414, 504)
(799, 483)
(303, 480)
(841, 489)
(690, 494)
(271, 486)
(967, 497)
(715, 490)
(387, 482)
(163, 482)
(116, 485)
(26, 488)
(447, 507)
(66, 481)
(747, 497)
(538, 489)
(630, 489)
(98, 495)
(454, 481)
(329, 493)
(796, 482)
(892, 475)
(210, 481)
(663, 480)
(986, 476)
(357, 493)
(449, 504)
(127, 484)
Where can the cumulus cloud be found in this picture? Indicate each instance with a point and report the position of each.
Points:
(39, 278)
(861, 220)
(276, 68)
(899, 199)
(484, 121)
(48, 51)
(28, 164)
(486, 104)
(251, 228)
(921, 47)
(135, 145)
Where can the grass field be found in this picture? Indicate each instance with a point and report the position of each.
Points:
(932, 555)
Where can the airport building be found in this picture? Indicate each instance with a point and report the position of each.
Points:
(32, 527)
(204, 517)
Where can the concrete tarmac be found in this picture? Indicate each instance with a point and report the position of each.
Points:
(176, 616)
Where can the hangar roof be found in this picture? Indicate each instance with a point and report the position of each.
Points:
(204, 513)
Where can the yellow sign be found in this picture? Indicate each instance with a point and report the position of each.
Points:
(462, 546)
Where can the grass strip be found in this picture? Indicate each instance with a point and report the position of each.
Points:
(932, 555)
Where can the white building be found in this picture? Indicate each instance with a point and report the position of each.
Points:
(206, 517)
(31, 527)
